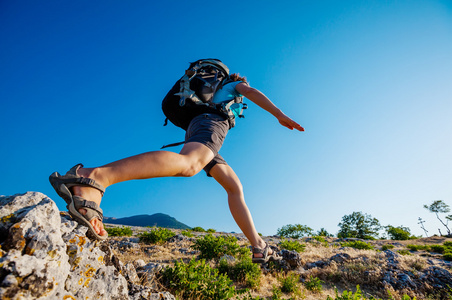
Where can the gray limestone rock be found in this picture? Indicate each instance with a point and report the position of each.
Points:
(46, 255)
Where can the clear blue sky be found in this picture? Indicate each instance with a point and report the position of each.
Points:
(371, 81)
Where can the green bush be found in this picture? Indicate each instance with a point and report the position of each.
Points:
(448, 244)
(291, 245)
(156, 236)
(404, 252)
(289, 283)
(294, 231)
(119, 231)
(198, 229)
(313, 284)
(323, 232)
(212, 247)
(447, 256)
(437, 248)
(276, 293)
(243, 271)
(418, 247)
(211, 230)
(358, 245)
(387, 247)
(187, 233)
(349, 295)
(399, 233)
(197, 280)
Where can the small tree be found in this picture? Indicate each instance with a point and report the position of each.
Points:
(323, 232)
(399, 233)
(359, 225)
(295, 231)
(439, 206)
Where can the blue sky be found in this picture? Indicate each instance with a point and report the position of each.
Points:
(82, 81)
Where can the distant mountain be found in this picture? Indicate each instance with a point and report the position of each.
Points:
(159, 220)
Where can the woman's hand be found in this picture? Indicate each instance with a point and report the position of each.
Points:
(289, 123)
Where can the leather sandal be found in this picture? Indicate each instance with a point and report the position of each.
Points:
(265, 256)
(62, 185)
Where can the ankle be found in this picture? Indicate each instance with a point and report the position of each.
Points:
(95, 174)
(260, 244)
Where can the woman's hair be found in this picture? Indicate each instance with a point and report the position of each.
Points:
(237, 77)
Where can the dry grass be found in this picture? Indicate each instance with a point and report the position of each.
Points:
(365, 267)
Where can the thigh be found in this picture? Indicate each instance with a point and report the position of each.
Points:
(197, 154)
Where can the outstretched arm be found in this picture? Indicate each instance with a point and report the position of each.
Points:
(261, 100)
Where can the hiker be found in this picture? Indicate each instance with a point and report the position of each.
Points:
(206, 127)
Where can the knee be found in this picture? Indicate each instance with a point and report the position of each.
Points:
(235, 189)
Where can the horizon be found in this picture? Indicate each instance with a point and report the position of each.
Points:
(370, 81)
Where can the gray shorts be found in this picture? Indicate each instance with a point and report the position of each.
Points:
(209, 130)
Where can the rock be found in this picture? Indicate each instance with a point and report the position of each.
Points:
(437, 277)
(292, 258)
(46, 255)
(340, 257)
(139, 263)
(130, 273)
(147, 273)
(178, 238)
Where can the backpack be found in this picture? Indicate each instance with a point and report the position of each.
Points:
(193, 94)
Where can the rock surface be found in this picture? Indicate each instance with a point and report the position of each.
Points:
(46, 255)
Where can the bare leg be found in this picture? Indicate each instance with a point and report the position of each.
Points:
(192, 158)
(226, 176)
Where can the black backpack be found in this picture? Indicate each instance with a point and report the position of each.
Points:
(193, 94)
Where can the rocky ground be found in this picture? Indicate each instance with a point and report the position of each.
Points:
(46, 255)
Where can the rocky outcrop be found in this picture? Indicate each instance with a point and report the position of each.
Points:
(46, 255)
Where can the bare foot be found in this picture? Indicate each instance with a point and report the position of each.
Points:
(90, 194)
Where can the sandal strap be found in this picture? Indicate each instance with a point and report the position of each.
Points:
(264, 251)
(90, 206)
(73, 179)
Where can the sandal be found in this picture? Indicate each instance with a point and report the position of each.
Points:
(62, 185)
(265, 256)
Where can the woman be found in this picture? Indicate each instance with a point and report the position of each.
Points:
(82, 188)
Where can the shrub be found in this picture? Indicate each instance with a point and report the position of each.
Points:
(198, 229)
(437, 248)
(197, 280)
(358, 245)
(276, 293)
(187, 233)
(399, 233)
(404, 252)
(387, 247)
(447, 256)
(211, 230)
(289, 283)
(119, 231)
(156, 236)
(292, 245)
(349, 295)
(323, 232)
(448, 244)
(294, 231)
(314, 284)
(244, 271)
(215, 247)
(418, 247)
